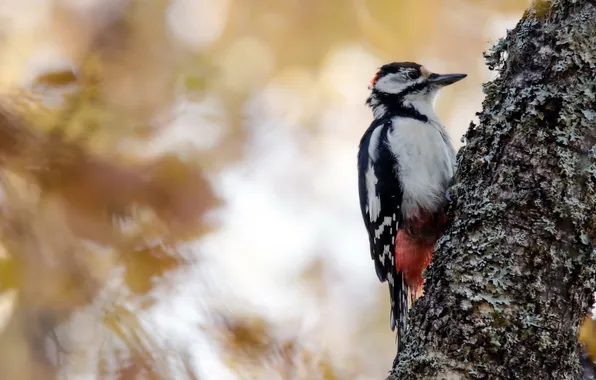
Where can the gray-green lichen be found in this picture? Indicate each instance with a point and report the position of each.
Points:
(514, 274)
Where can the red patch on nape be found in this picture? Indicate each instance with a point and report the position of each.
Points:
(374, 80)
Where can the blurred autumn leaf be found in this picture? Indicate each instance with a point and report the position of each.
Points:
(587, 337)
(75, 207)
(252, 347)
(57, 78)
(143, 265)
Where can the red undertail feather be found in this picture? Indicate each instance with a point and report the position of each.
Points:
(412, 256)
(414, 247)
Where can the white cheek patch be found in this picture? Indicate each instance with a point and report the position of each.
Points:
(427, 98)
(396, 83)
(391, 84)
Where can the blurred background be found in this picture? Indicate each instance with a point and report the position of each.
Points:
(178, 192)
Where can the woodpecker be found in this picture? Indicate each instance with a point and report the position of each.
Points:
(406, 161)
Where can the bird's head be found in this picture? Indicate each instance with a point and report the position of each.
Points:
(407, 83)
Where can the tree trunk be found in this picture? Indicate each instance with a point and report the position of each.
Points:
(513, 277)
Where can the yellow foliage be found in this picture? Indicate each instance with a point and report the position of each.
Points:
(252, 347)
(74, 207)
(587, 337)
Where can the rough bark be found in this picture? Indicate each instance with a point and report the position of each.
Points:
(513, 276)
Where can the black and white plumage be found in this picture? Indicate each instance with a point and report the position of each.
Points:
(380, 202)
(405, 164)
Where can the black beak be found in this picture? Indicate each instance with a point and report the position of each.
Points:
(445, 79)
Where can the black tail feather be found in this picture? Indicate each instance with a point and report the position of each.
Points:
(399, 309)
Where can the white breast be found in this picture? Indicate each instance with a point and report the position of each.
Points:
(426, 161)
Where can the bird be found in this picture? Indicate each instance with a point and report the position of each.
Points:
(406, 162)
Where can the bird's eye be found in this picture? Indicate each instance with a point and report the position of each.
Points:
(413, 74)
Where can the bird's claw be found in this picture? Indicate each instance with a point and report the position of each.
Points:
(448, 196)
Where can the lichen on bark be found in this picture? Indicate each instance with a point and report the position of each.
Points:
(513, 276)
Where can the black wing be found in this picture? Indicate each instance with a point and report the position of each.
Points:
(381, 212)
